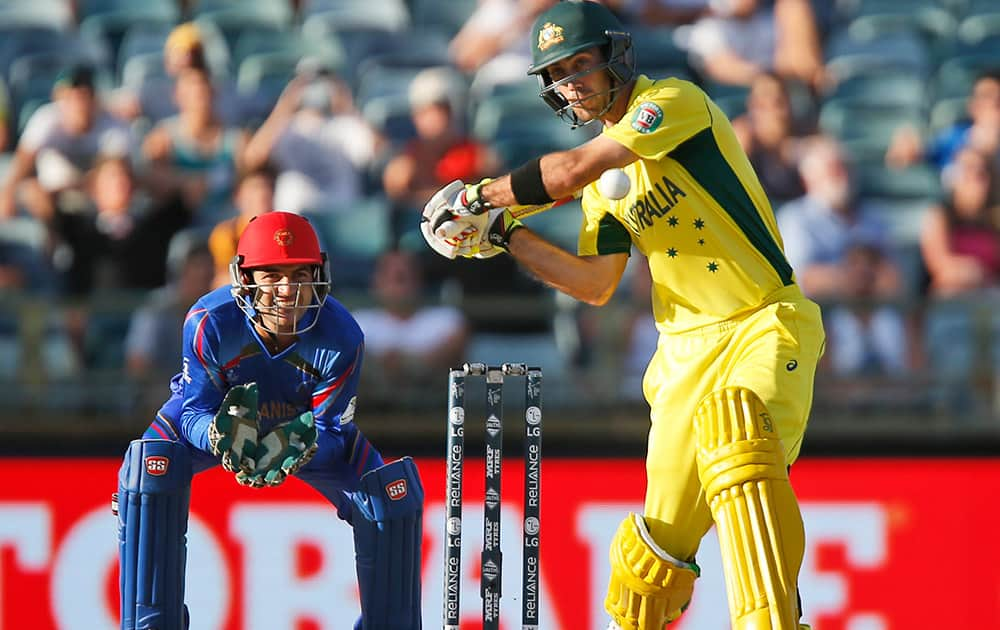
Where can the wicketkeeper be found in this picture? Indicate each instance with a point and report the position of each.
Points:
(268, 389)
(730, 385)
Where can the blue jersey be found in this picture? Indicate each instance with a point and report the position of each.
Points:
(319, 372)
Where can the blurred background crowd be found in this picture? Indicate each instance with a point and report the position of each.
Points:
(138, 138)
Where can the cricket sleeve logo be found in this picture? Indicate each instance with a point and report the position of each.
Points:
(156, 465)
(396, 490)
(647, 117)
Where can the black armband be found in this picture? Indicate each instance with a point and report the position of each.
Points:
(526, 184)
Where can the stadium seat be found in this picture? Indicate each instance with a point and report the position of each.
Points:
(881, 88)
(656, 48)
(561, 224)
(353, 236)
(371, 63)
(866, 131)
(847, 54)
(870, 19)
(390, 116)
(233, 21)
(109, 28)
(55, 14)
(920, 181)
(327, 52)
(446, 16)
(390, 15)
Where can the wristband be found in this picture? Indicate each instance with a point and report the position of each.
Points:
(527, 186)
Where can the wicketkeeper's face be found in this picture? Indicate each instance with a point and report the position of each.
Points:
(283, 294)
(580, 79)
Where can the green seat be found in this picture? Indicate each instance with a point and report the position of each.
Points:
(390, 15)
(892, 89)
(866, 132)
(560, 225)
(110, 28)
(446, 16)
(974, 29)
(55, 14)
(390, 116)
(874, 179)
(656, 47)
(500, 118)
(353, 236)
(231, 22)
(848, 54)
(869, 19)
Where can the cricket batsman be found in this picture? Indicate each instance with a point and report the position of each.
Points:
(730, 385)
(268, 389)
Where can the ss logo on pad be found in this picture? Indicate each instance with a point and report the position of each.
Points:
(396, 490)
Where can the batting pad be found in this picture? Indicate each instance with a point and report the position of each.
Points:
(742, 468)
(648, 588)
(154, 490)
(388, 531)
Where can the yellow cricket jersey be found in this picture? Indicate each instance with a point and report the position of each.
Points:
(695, 209)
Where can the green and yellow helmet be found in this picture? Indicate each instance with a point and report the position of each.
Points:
(571, 27)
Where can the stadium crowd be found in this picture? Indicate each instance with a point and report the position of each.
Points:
(138, 139)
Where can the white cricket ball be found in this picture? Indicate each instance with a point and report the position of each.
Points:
(614, 183)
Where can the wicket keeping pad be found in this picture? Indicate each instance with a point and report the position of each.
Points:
(741, 463)
(154, 490)
(388, 531)
(648, 588)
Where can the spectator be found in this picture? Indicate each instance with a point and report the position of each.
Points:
(662, 12)
(960, 243)
(6, 117)
(768, 133)
(153, 99)
(254, 196)
(408, 343)
(641, 332)
(819, 227)
(153, 343)
(981, 131)
(739, 39)
(441, 152)
(60, 143)
(120, 241)
(865, 336)
(842, 253)
(493, 40)
(314, 170)
(195, 152)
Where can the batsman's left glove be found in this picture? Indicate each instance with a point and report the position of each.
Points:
(282, 452)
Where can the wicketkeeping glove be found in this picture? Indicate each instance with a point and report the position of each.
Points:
(232, 436)
(282, 452)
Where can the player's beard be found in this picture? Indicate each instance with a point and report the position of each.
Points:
(589, 106)
(283, 315)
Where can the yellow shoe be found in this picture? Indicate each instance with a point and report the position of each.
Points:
(803, 626)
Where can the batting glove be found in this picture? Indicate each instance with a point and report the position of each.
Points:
(232, 435)
(481, 236)
(437, 211)
(282, 452)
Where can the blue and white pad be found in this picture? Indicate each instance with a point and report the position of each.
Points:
(154, 490)
(388, 530)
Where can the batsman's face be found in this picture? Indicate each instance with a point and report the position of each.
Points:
(283, 294)
(582, 81)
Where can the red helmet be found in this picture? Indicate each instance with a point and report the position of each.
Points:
(271, 239)
(278, 238)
